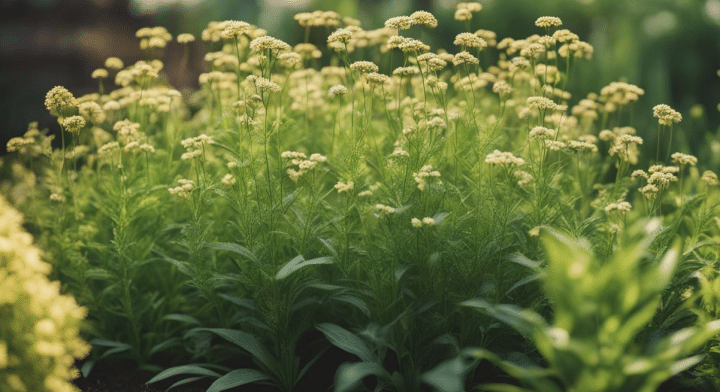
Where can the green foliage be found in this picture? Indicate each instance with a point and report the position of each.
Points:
(600, 306)
(285, 215)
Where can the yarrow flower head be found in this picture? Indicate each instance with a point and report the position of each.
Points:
(266, 43)
(666, 115)
(183, 191)
(263, 84)
(59, 99)
(114, 63)
(233, 29)
(185, 38)
(74, 124)
(543, 103)
(465, 58)
(500, 158)
(548, 21)
(541, 133)
(469, 40)
(399, 22)
(364, 67)
(423, 18)
(92, 112)
(709, 178)
(341, 36)
(425, 173)
(684, 159)
(337, 90)
(100, 73)
(344, 187)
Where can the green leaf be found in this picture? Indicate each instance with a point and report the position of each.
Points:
(448, 376)
(355, 301)
(109, 343)
(239, 249)
(165, 344)
(346, 340)
(183, 318)
(98, 273)
(350, 374)
(523, 320)
(299, 262)
(185, 381)
(184, 369)
(236, 378)
(249, 343)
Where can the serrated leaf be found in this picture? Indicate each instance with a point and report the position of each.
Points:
(346, 340)
(184, 369)
(236, 378)
(299, 262)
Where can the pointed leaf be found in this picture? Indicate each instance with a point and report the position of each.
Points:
(183, 318)
(350, 374)
(346, 340)
(236, 378)
(184, 369)
(185, 381)
(249, 343)
(299, 262)
(448, 376)
(355, 301)
(239, 249)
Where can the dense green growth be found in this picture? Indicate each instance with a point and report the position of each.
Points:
(284, 213)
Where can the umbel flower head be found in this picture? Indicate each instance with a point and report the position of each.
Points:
(424, 18)
(548, 21)
(666, 115)
(74, 124)
(59, 99)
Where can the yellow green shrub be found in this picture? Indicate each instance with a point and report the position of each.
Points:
(39, 327)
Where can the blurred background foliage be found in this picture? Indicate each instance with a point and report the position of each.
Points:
(670, 48)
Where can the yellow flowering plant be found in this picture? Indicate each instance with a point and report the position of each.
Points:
(40, 328)
(336, 199)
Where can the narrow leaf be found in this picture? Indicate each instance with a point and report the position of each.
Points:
(346, 340)
(184, 369)
(239, 249)
(249, 343)
(236, 378)
(299, 262)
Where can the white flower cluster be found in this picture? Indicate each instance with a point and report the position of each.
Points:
(183, 191)
(425, 173)
(195, 146)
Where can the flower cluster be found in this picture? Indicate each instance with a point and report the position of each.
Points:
(153, 37)
(426, 221)
(666, 115)
(500, 158)
(39, 338)
(425, 173)
(195, 146)
(302, 164)
(183, 191)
